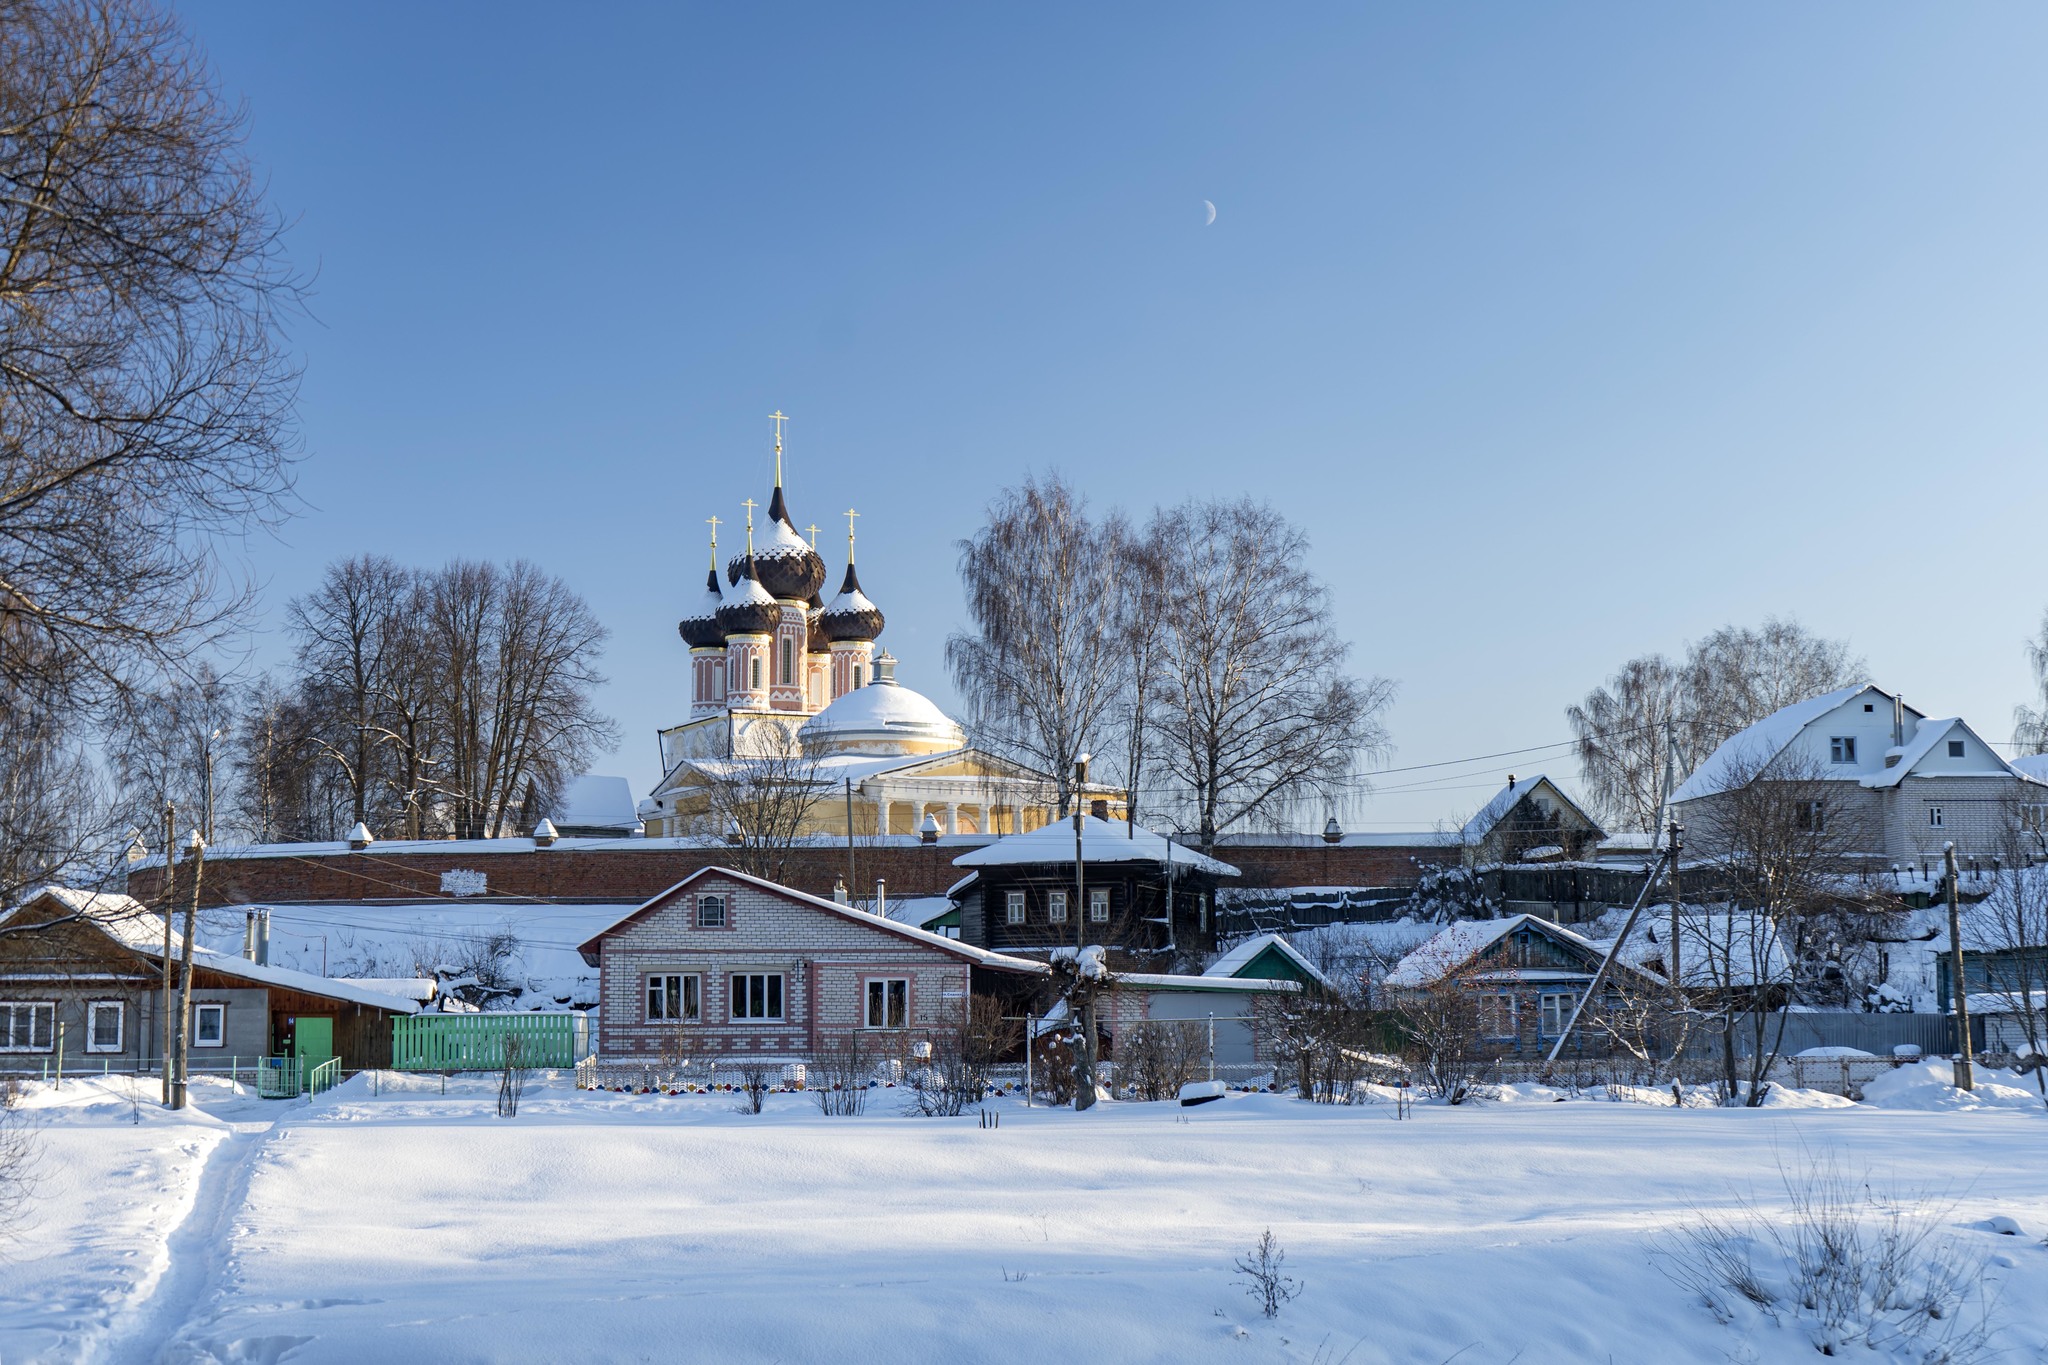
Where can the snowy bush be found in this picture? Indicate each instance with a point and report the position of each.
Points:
(1264, 1279)
(842, 1067)
(1847, 1264)
(1445, 895)
(1156, 1058)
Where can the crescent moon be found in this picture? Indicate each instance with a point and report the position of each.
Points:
(1207, 204)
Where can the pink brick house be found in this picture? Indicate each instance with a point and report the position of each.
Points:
(745, 969)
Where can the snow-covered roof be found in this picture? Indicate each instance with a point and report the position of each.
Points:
(918, 910)
(1715, 950)
(420, 988)
(1240, 957)
(1507, 798)
(124, 920)
(885, 709)
(2032, 765)
(597, 801)
(1459, 943)
(979, 956)
(1751, 748)
(1928, 734)
(1102, 841)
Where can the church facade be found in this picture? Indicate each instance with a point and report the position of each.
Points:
(788, 687)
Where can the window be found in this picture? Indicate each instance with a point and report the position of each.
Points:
(1098, 905)
(788, 662)
(27, 1026)
(1955, 748)
(209, 1025)
(1056, 906)
(1013, 907)
(1812, 817)
(756, 995)
(1842, 749)
(889, 1003)
(1556, 1013)
(1497, 1016)
(710, 912)
(2034, 818)
(754, 671)
(675, 998)
(1869, 706)
(103, 1026)
(1934, 817)
(856, 675)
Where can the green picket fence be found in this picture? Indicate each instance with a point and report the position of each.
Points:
(278, 1078)
(476, 1042)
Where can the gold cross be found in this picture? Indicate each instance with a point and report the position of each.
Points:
(714, 540)
(850, 515)
(749, 505)
(813, 529)
(777, 418)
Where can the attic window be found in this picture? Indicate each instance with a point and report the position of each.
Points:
(1868, 706)
(1955, 748)
(1842, 749)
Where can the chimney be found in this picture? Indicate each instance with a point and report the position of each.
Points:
(1511, 779)
(839, 892)
(263, 936)
(249, 935)
(881, 896)
(544, 833)
(928, 832)
(1898, 721)
(360, 837)
(1333, 833)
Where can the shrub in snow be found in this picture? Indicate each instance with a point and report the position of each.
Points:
(1156, 1058)
(842, 1067)
(1445, 895)
(1847, 1264)
(1263, 1277)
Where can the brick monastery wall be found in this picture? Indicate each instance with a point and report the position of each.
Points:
(614, 873)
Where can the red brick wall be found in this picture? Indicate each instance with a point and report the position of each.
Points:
(625, 874)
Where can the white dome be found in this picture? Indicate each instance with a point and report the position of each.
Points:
(885, 717)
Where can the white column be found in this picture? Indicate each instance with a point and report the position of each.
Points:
(952, 817)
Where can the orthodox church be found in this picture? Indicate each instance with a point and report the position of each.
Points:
(785, 683)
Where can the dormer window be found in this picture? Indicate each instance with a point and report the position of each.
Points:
(1955, 748)
(1842, 749)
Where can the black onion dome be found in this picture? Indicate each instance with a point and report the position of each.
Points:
(852, 616)
(789, 568)
(817, 642)
(750, 610)
(700, 629)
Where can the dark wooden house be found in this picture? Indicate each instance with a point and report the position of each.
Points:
(83, 973)
(1149, 900)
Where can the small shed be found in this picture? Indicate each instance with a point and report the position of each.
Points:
(1269, 957)
(1531, 817)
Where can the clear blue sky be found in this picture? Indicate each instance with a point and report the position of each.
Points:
(1567, 332)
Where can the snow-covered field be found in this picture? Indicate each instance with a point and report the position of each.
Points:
(408, 1226)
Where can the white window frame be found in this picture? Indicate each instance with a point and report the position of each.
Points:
(736, 992)
(1936, 818)
(1056, 907)
(2034, 817)
(1955, 748)
(856, 677)
(754, 671)
(688, 996)
(1812, 817)
(1098, 905)
(896, 986)
(1013, 907)
(9, 1009)
(1841, 748)
(93, 1010)
(220, 1014)
(788, 662)
(705, 902)
(1499, 1007)
(1558, 1004)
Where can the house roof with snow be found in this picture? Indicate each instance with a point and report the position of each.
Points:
(1760, 744)
(125, 921)
(1102, 841)
(980, 957)
(2032, 765)
(1715, 950)
(1268, 957)
(1548, 797)
(1459, 944)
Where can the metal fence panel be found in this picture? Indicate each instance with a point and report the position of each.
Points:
(1933, 1034)
(476, 1042)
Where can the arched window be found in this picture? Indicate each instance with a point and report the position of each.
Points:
(856, 675)
(755, 672)
(788, 661)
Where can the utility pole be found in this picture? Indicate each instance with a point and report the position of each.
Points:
(179, 1086)
(1677, 979)
(1084, 988)
(851, 881)
(167, 897)
(1964, 1080)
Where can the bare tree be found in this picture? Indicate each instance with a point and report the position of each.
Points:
(56, 824)
(513, 653)
(1738, 675)
(171, 744)
(1047, 667)
(2011, 927)
(1776, 838)
(1624, 731)
(2030, 723)
(760, 805)
(1254, 709)
(348, 646)
(145, 391)
(1323, 1036)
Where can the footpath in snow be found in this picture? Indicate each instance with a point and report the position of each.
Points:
(409, 1226)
